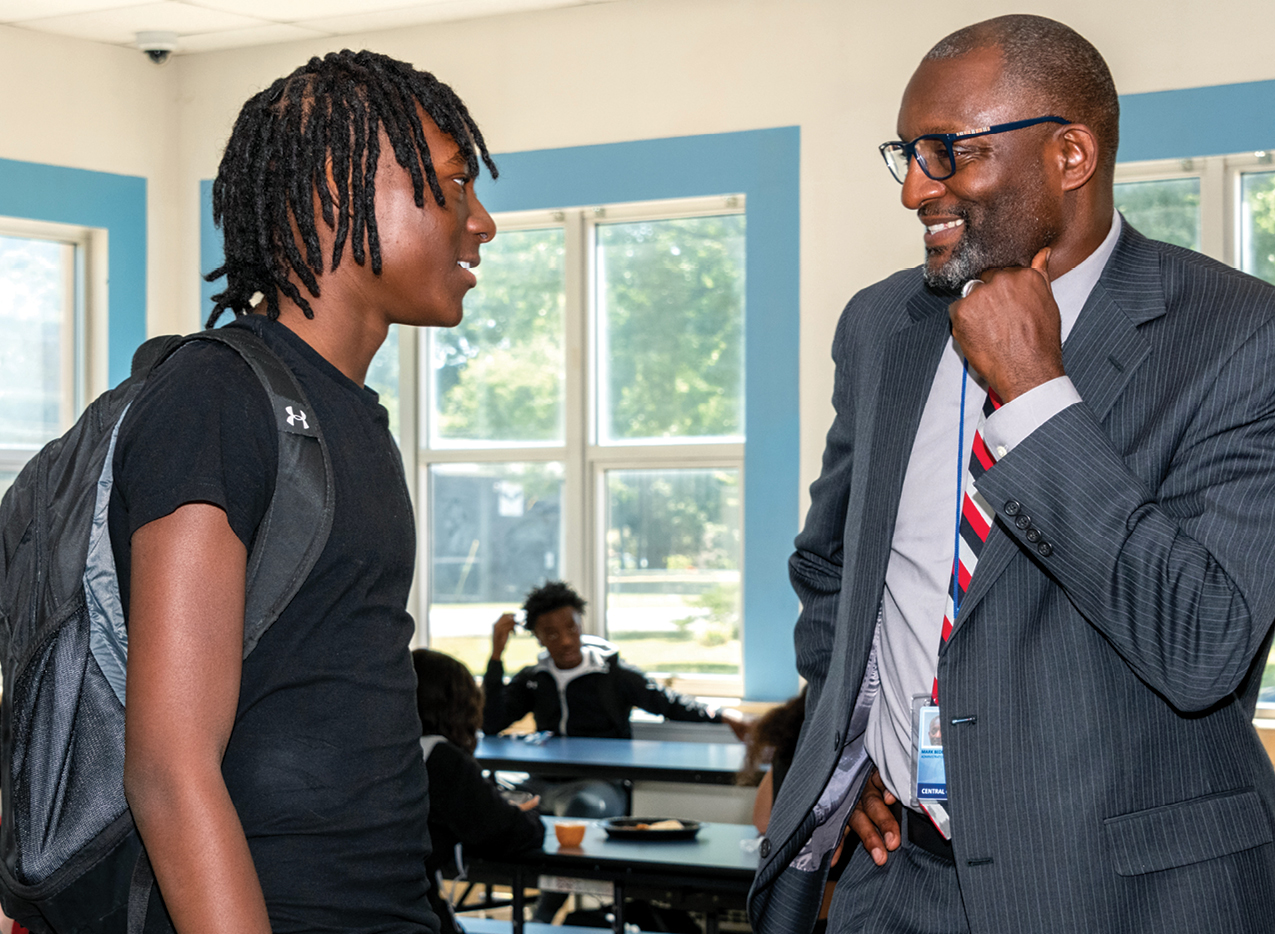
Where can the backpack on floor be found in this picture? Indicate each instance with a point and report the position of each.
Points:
(70, 857)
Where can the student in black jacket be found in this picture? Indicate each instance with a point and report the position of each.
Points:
(465, 810)
(579, 686)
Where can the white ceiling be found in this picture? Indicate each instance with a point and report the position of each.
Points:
(207, 25)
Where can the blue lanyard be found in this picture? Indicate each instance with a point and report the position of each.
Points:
(960, 494)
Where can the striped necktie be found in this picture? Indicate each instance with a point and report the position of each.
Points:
(976, 523)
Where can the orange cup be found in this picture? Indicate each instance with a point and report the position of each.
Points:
(569, 834)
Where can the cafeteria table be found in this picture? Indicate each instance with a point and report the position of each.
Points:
(717, 867)
(631, 759)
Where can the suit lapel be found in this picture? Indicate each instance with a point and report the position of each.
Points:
(1105, 347)
(910, 357)
(1100, 356)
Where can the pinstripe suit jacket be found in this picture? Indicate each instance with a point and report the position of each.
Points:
(1108, 777)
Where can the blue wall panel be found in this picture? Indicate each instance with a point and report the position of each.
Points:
(210, 253)
(1210, 121)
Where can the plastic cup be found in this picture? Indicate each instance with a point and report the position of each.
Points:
(569, 834)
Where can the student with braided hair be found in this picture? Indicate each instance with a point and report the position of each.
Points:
(286, 791)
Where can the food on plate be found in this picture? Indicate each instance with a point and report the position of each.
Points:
(661, 825)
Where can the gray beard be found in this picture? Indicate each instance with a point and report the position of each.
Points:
(1007, 232)
(969, 260)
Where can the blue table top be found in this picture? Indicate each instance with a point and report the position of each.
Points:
(719, 864)
(722, 849)
(638, 759)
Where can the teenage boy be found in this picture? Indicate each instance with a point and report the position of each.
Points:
(286, 791)
(578, 686)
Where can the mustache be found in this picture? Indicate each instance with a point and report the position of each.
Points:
(927, 211)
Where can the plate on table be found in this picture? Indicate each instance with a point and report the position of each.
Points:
(650, 829)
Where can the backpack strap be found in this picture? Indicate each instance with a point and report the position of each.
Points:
(295, 527)
(154, 351)
(139, 893)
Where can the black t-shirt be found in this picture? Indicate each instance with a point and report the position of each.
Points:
(324, 763)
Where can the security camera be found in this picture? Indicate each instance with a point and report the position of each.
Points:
(157, 45)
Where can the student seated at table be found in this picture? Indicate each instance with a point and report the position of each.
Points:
(465, 810)
(578, 686)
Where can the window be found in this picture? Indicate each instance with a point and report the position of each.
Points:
(1257, 224)
(46, 357)
(586, 422)
(1221, 205)
(1165, 209)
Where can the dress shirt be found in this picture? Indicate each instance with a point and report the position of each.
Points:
(919, 572)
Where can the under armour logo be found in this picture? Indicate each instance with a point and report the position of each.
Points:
(299, 416)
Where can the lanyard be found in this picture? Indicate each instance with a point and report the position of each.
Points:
(960, 501)
(960, 493)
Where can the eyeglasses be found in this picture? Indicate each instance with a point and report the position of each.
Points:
(933, 151)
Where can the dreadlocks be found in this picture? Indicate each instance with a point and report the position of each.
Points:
(317, 127)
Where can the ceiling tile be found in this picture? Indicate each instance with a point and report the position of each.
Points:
(246, 22)
(291, 11)
(242, 38)
(433, 12)
(121, 24)
(13, 10)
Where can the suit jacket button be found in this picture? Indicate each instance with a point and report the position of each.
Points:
(1044, 549)
(1023, 521)
(836, 740)
(764, 849)
(1033, 535)
(1012, 508)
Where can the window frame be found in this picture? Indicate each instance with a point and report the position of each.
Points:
(85, 344)
(584, 458)
(1220, 179)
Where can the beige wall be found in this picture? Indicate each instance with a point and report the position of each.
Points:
(92, 106)
(632, 69)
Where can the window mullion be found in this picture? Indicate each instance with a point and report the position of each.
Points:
(409, 426)
(71, 401)
(1216, 236)
(577, 546)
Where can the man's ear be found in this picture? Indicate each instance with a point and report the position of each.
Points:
(1077, 155)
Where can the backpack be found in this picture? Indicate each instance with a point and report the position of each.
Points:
(70, 857)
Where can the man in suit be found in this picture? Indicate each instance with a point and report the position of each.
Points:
(1097, 664)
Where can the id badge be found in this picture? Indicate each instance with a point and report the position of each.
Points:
(929, 776)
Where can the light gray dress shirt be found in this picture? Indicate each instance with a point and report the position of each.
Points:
(919, 572)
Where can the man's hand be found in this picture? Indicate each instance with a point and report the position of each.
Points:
(1009, 328)
(500, 634)
(873, 821)
(530, 804)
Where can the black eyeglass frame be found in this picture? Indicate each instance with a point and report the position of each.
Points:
(947, 139)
